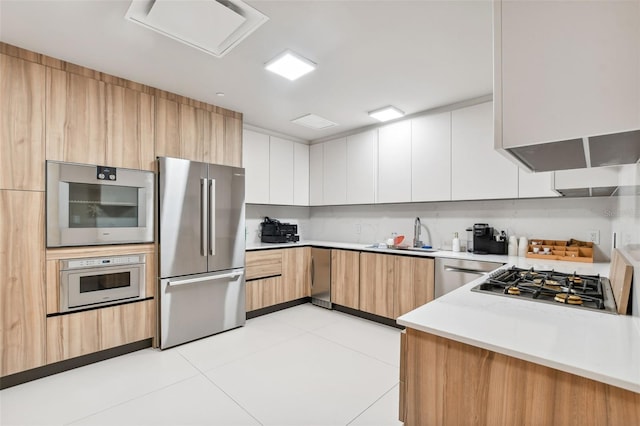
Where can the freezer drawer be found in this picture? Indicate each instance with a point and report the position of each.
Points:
(196, 306)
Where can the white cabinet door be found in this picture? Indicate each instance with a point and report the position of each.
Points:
(361, 171)
(316, 174)
(300, 174)
(335, 172)
(431, 158)
(535, 185)
(394, 163)
(280, 171)
(478, 171)
(255, 158)
(566, 69)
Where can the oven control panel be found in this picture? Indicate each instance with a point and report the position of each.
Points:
(102, 261)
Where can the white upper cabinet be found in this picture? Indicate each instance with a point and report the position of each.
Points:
(335, 172)
(535, 185)
(276, 170)
(565, 70)
(394, 163)
(316, 175)
(431, 157)
(255, 158)
(280, 171)
(361, 167)
(300, 174)
(478, 171)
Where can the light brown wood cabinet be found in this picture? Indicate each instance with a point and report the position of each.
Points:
(22, 286)
(414, 283)
(377, 283)
(277, 276)
(391, 286)
(345, 278)
(448, 382)
(92, 122)
(82, 333)
(185, 131)
(22, 124)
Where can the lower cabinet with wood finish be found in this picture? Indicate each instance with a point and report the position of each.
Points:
(345, 278)
(82, 333)
(452, 383)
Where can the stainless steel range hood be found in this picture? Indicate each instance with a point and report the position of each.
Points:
(594, 151)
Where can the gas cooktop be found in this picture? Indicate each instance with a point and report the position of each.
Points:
(591, 292)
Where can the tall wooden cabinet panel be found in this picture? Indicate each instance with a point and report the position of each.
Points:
(22, 124)
(345, 278)
(376, 284)
(130, 128)
(22, 285)
(167, 128)
(296, 273)
(214, 146)
(191, 133)
(414, 283)
(394, 163)
(232, 141)
(76, 118)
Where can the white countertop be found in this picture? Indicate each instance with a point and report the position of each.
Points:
(600, 346)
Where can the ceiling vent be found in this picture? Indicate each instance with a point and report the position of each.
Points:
(314, 122)
(212, 26)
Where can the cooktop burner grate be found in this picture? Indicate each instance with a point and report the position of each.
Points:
(572, 290)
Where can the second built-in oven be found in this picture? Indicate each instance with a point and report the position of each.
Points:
(95, 282)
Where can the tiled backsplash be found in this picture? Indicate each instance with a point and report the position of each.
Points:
(552, 218)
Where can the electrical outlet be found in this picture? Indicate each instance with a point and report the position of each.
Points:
(593, 236)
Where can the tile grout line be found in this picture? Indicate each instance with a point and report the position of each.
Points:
(354, 350)
(372, 404)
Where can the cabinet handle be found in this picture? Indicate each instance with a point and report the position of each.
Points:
(469, 271)
(313, 270)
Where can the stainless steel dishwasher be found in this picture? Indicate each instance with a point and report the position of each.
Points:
(454, 273)
(321, 277)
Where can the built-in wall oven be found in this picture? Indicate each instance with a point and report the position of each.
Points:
(91, 205)
(101, 281)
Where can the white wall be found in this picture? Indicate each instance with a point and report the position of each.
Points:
(560, 219)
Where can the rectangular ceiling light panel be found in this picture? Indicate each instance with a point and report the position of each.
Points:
(290, 65)
(208, 25)
(387, 113)
(314, 122)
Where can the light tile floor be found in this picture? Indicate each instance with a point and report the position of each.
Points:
(301, 366)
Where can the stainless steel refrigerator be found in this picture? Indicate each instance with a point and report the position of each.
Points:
(201, 238)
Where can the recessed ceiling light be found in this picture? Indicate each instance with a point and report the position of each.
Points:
(290, 65)
(314, 122)
(387, 113)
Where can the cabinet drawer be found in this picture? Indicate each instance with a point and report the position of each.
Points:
(262, 264)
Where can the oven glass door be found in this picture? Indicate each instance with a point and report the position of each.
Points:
(102, 206)
(85, 287)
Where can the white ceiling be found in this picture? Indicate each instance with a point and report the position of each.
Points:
(416, 55)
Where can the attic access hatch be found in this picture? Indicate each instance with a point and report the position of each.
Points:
(212, 26)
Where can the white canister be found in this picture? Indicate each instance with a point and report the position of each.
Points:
(513, 246)
(523, 246)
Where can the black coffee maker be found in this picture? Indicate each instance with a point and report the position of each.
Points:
(484, 242)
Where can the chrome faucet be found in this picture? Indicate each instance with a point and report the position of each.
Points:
(416, 233)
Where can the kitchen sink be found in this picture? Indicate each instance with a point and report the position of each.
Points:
(418, 249)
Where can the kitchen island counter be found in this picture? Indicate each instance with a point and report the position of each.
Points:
(600, 346)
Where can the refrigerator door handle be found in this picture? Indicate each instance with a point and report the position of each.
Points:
(212, 217)
(204, 220)
(231, 275)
